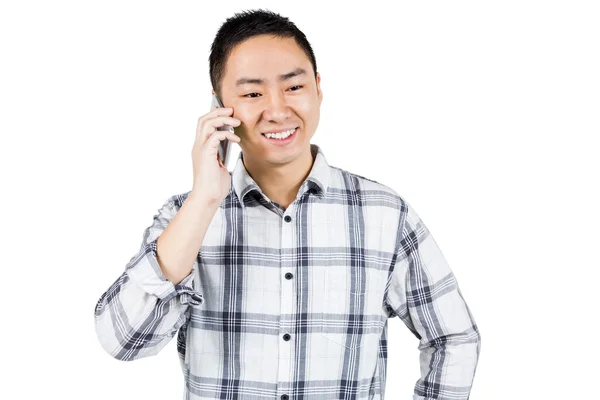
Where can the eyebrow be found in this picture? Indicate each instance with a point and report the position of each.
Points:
(259, 81)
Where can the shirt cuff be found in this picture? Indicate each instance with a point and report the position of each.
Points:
(145, 271)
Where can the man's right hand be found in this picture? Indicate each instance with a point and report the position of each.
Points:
(212, 181)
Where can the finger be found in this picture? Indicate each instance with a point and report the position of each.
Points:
(214, 112)
(217, 111)
(210, 126)
(214, 141)
(214, 122)
(229, 136)
(216, 138)
(220, 121)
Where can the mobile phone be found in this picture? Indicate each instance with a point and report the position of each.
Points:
(224, 145)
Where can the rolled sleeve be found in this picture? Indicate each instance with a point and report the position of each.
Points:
(142, 310)
(425, 295)
(145, 271)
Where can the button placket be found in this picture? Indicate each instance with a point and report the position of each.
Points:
(287, 296)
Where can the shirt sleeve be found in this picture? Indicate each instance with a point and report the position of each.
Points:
(142, 310)
(424, 294)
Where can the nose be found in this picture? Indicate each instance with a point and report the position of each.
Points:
(276, 108)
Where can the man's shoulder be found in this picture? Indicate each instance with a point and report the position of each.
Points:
(367, 187)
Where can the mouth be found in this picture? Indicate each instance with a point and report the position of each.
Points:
(281, 138)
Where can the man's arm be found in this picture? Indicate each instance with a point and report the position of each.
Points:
(142, 310)
(424, 293)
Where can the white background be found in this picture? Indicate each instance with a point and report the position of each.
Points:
(483, 115)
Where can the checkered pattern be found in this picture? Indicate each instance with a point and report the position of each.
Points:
(296, 301)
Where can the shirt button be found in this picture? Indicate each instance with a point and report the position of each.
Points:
(287, 218)
(286, 337)
(284, 397)
(288, 276)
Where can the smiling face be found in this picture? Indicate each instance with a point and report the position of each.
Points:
(270, 84)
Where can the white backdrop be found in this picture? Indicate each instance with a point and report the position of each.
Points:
(483, 115)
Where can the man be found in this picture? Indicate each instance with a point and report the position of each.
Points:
(279, 277)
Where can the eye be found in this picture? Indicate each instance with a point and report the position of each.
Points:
(250, 95)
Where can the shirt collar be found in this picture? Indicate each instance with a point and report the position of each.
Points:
(317, 179)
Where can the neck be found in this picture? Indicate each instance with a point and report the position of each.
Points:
(280, 182)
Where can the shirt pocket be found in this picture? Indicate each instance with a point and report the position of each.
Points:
(350, 309)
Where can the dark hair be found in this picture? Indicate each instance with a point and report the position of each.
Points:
(243, 26)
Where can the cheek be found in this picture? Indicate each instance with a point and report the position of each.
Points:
(311, 112)
(303, 108)
(247, 129)
(248, 121)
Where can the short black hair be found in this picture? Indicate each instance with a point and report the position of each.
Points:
(243, 26)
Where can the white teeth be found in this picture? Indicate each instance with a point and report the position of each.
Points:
(281, 135)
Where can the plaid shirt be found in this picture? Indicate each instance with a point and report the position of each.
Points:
(293, 303)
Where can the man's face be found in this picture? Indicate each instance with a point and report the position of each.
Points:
(268, 103)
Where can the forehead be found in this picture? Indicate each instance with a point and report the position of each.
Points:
(265, 57)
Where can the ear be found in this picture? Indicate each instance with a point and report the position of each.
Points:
(213, 91)
(319, 92)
